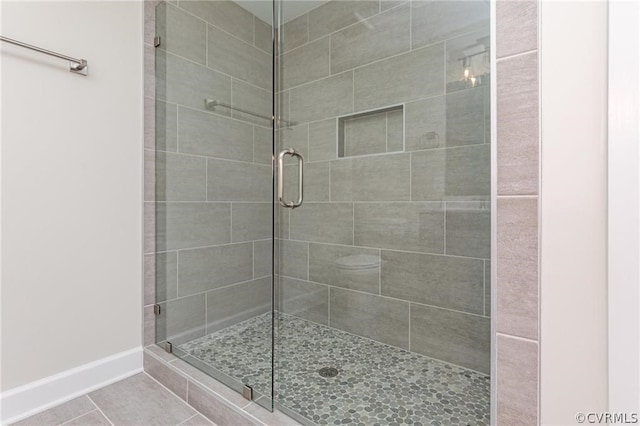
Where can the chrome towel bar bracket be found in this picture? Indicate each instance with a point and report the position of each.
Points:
(78, 66)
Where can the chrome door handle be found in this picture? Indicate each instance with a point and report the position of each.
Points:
(292, 152)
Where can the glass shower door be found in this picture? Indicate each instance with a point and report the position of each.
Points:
(212, 201)
(383, 275)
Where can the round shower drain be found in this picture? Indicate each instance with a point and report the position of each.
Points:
(328, 372)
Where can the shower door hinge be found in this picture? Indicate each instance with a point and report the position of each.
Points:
(247, 392)
(156, 41)
(168, 347)
(156, 309)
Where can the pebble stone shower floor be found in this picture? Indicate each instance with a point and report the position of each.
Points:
(376, 384)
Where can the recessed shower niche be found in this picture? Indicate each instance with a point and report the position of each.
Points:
(372, 132)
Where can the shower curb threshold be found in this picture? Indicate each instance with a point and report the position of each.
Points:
(224, 410)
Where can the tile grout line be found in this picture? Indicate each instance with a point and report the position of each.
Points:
(512, 336)
(194, 416)
(100, 410)
(517, 55)
(77, 417)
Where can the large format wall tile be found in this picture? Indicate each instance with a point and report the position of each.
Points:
(376, 178)
(234, 57)
(517, 228)
(454, 337)
(316, 181)
(306, 63)
(323, 223)
(516, 27)
(250, 221)
(181, 320)
(185, 225)
(434, 21)
(465, 117)
(517, 377)
(376, 38)
(230, 305)
(517, 115)
(337, 14)
(296, 137)
(517, 257)
(262, 254)
(181, 33)
(322, 140)
(452, 172)
(262, 38)
(165, 127)
(238, 181)
(262, 145)
(150, 72)
(338, 266)
(469, 229)
(224, 14)
(186, 83)
(325, 98)
(294, 259)
(517, 300)
(426, 124)
(295, 33)
(304, 299)
(417, 74)
(212, 267)
(378, 318)
(161, 276)
(251, 98)
(447, 282)
(179, 177)
(203, 133)
(149, 21)
(403, 226)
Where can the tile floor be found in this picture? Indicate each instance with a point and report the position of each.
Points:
(136, 401)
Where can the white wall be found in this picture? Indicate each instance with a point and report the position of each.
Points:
(71, 187)
(573, 87)
(624, 208)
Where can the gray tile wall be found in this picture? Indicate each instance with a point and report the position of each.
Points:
(207, 172)
(393, 240)
(518, 145)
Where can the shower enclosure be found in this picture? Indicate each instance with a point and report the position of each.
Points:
(322, 204)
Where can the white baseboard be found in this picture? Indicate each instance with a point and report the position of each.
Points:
(32, 398)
